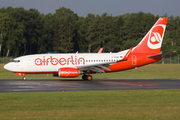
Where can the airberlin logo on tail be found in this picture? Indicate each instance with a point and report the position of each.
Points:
(156, 36)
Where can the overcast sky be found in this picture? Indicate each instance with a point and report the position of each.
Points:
(114, 7)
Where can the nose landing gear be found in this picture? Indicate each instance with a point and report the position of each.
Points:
(24, 78)
(22, 74)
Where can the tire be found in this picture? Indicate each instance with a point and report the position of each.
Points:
(24, 78)
(84, 77)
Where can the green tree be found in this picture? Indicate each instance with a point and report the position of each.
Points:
(27, 31)
(115, 33)
(23, 31)
(79, 39)
(45, 43)
(33, 26)
(85, 32)
(4, 24)
(64, 30)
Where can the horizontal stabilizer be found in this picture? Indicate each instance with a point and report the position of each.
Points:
(153, 56)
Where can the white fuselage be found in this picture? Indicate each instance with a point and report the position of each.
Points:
(52, 62)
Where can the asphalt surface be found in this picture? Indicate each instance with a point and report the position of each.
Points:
(48, 85)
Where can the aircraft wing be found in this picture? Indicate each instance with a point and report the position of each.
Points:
(98, 68)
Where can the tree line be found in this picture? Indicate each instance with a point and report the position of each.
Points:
(24, 32)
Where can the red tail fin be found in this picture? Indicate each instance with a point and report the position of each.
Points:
(152, 42)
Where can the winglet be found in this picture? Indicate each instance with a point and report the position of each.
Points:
(100, 50)
(127, 54)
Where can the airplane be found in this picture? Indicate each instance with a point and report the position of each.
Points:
(75, 64)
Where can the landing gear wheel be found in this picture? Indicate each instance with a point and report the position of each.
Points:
(24, 78)
(84, 77)
(89, 77)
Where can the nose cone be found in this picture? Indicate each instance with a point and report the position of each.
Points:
(8, 66)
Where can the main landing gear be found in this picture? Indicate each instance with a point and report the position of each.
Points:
(87, 77)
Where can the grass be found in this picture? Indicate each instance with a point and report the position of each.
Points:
(92, 105)
(149, 71)
(96, 105)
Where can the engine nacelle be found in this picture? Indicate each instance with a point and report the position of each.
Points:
(68, 72)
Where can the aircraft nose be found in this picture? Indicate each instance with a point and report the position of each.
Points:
(7, 67)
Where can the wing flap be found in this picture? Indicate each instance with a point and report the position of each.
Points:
(96, 67)
(104, 67)
(97, 70)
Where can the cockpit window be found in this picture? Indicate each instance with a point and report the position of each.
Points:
(16, 61)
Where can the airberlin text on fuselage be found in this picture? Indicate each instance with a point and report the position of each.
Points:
(62, 61)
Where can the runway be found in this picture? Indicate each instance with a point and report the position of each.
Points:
(63, 85)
